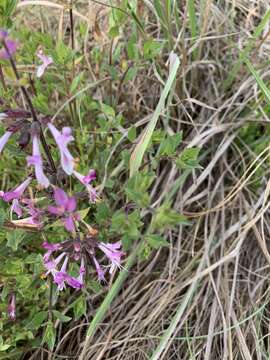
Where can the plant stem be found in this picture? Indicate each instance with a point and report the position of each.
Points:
(2, 78)
(30, 104)
(74, 110)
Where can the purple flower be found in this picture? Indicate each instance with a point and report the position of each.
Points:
(16, 207)
(113, 254)
(17, 192)
(61, 276)
(100, 272)
(12, 308)
(73, 282)
(30, 222)
(86, 180)
(50, 249)
(10, 45)
(36, 161)
(46, 61)
(51, 265)
(65, 208)
(4, 139)
(62, 139)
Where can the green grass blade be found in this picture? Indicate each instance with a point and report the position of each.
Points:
(259, 80)
(192, 19)
(138, 153)
(244, 53)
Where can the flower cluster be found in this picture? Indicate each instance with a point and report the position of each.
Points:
(80, 251)
(76, 250)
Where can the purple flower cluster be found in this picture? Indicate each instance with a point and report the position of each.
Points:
(77, 251)
(80, 248)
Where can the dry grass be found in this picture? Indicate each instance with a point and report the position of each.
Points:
(225, 250)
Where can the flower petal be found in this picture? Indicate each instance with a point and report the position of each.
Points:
(69, 224)
(4, 139)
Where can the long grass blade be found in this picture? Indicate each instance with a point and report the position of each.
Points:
(260, 82)
(138, 152)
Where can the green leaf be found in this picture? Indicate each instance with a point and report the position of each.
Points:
(63, 318)
(131, 73)
(188, 159)
(50, 335)
(37, 320)
(107, 110)
(4, 347)
(151, 49)
(132, 48)
(41, 103)
(127, 225)
(83, 213)
(79, 307)
(102, 212)
(156, 241)
(166, 217)
(132, 134)
(14, 238)
(75, 82)
(62, 54)
(137, 186)
(169, 144)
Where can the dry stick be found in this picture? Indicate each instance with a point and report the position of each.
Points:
(27, 97)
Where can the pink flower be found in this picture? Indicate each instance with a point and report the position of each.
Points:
(100, 272)
(30, 222)
(4, 139)
(86, 180)
(10, 44)
(65, 208)
(16, 207)
(50, 249)
(17, 192)
(12, 308)
(36, 161)
(51, 265)
(62, 139)
(113, 254)
(46, 61)
(61, 276)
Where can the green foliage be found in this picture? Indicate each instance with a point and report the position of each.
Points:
(14, 238)
(166, 217)
(7, 7)
(137, 186)
(188, 159)
(50, 335)
(169, 144)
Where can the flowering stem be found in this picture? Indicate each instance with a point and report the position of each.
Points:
(34, 116)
